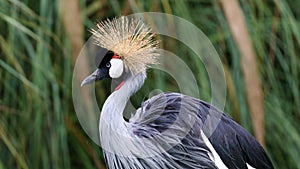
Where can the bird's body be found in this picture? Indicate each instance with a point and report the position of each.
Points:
(169, 130)
(167, 117)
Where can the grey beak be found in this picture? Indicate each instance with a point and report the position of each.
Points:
(90, 79)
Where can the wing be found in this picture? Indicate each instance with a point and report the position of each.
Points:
(238, 146)
(235, 146)
(162, 115)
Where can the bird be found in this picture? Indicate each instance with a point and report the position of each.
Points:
(168, 130)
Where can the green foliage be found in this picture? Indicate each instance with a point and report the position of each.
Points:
(38, 126)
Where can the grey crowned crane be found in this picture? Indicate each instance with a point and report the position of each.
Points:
(168, 130)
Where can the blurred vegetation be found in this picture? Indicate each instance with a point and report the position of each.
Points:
(40, 42)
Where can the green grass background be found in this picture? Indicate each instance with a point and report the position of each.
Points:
(38, 125)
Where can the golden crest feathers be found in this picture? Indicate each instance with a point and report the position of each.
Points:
(129, 38)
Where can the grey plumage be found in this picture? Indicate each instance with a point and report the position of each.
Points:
(166, 133)
(163, 133)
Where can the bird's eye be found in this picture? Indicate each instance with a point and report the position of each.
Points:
(108, 65)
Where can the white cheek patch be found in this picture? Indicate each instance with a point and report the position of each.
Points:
(116, 68)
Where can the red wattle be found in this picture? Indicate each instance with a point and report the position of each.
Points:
(119, 86)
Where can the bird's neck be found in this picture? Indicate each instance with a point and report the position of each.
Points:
(112, 111)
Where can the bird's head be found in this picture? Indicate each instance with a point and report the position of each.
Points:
(131, 47)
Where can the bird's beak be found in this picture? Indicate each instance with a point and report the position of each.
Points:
(91, 78)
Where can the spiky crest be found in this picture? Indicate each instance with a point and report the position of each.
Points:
(129, 38)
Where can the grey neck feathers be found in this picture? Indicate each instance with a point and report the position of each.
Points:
(111, 120)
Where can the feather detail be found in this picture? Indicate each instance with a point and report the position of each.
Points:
(129, 38)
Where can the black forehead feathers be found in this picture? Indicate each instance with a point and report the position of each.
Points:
(102, 56)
